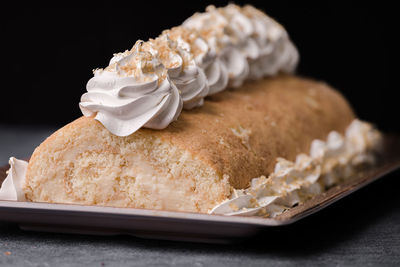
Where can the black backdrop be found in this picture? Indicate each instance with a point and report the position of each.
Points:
(49, 52)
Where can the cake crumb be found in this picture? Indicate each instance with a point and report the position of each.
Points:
(233, 207)
(221, 141)
(312, 102)
(244, 135)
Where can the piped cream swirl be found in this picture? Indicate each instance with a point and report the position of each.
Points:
(213, 26)
(220, 48)
(134, 91)
(181, 68)
(276, 52)
(204, 55)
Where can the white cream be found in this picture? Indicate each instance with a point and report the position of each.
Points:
(181, 68)
(11, 188)
(251, 44)
(276, 51)
(205, 57)
(223, 47)
(214, 27)
(133, 92)
(293, 182)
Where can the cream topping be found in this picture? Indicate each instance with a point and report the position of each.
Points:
(11, 188)
(182, 70)
(134, 91)
(220, 48)
(276, 51)
(205, 57)
(214, 26)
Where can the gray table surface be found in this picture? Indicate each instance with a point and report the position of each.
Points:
(361, 230)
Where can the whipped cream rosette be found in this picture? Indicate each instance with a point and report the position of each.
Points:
(214, 27)
(275, 50)
(240, 30)
(181, 69)
(204, 56)
(132, 92)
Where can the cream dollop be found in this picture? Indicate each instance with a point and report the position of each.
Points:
(134, 91)
(214, 27)
(12, 187)
(210, 51)
(181, 69)
(293, 182)
(251, 44)
(276, 52)
(205, 57)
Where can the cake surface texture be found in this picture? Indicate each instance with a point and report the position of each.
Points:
(195, 162)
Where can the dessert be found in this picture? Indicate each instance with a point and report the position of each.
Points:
(207, 117)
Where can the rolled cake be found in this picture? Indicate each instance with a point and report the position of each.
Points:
(195, 162)
(207, 117)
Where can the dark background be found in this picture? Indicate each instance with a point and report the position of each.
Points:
(49, 53)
